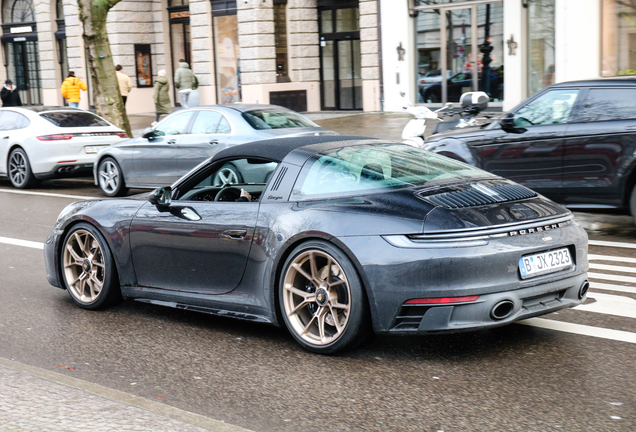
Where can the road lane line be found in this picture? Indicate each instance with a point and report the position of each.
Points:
(598, 332)
(620, 269)
(611, 277)
(593, 257)
(610, 287)
(611, 244)
(25, 243)
(609, 304)
(48, 194)
(126, 398)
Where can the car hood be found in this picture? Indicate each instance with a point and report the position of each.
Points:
(295, 132)
(467, 206)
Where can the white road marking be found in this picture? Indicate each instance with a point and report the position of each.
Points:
(610, 287)
(611, 244)
(25, 243)
(611, 277)
(599, 332)
(593, 257)
(609, 304)
(620, 269)
(47, 194)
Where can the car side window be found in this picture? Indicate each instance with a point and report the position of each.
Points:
(608, 104)
(553, 107)
(174, 125)
(224, 126)
(11, 120)
(206, 122)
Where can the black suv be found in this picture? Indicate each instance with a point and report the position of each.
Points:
(573, 142)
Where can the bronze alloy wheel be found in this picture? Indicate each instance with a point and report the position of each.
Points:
(84, 266)
(316, 297)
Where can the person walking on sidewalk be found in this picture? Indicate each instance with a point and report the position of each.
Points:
(162, 96)
(125, 85)
(71, 89)
(9, 95)
(183, 80)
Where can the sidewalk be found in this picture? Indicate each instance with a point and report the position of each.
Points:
(34, 400)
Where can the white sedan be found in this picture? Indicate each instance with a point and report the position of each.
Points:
(38, 143)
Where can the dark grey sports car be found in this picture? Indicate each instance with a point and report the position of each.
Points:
(348, 236)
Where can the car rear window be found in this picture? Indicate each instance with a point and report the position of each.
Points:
(276, 119)
(74, 119)
(353, 170)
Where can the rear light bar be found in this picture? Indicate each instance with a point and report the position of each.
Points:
(122, 134)
(58, 137)
(442, 300)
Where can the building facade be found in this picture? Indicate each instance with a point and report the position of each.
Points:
(309, 55)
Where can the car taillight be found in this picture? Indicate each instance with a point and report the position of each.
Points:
(58, 137)
(122, 134)
(442, 300)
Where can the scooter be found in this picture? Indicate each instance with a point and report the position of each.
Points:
(413, 132)
(472, 103)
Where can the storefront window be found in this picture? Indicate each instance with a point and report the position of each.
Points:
(280, 40)
(541, 57)
(227, 59)
(618, 38)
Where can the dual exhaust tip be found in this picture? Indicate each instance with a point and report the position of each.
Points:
(65, 169)
(504, 308)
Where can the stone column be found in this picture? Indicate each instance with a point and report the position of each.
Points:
(304, 46)
(50, 73)
(257, 52)
(370, 59)
(202, 50)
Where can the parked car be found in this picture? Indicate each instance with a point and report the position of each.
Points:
(349, 235)
(187, 137)
(573, 142)
(458, 84)
(45, 142)
(431, 77)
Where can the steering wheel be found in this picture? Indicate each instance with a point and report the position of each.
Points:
(228, 194)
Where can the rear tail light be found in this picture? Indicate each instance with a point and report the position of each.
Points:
(122, 134)
(58, 137)
(442, 300)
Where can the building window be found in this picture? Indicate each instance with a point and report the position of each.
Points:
(541, 56)
(143, 65)
(226, 51)
(280, 40)
(618, 35)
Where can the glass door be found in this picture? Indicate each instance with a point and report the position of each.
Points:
(26, 71)
(227, 64)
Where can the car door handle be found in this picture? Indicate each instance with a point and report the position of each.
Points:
(235, 234)
(172, 141)
(5, 137)
(213, 141)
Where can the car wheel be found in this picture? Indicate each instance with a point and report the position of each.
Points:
(110, 177)
(322, 299)
(20, 172)
(88, 269)
(227, 175)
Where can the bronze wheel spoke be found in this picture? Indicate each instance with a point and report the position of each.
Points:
(336, 319)
(300, 270)
(314, 268)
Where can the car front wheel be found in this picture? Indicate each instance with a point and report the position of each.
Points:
(111, 179)
(322, 299)
(88, 268)
(20, 172)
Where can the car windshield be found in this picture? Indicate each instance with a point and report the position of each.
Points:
(276, 119)
(74, 119)
(372, 167)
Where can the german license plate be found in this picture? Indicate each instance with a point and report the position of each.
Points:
(94, 149)
(545, 262)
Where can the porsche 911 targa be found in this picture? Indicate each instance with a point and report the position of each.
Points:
(334, 238)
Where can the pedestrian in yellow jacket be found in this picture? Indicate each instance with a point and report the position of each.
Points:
(71, 89)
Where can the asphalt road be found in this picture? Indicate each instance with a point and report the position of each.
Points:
(570, 371)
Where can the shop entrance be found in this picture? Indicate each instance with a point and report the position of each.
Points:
(340, 59)
(24, 70)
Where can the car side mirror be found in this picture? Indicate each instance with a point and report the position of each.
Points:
(161, 197)
(507, 121)
(149, 133)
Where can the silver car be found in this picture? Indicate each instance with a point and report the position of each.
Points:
(185, 138)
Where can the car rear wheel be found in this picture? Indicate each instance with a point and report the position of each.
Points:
(88, 269)
(20, 172)
(111, 180)
(322, 299)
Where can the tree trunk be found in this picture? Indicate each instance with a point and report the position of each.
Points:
(106, 96)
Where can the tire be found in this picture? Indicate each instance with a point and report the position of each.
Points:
(228, 174)
(110, 178)
(19, 170)
(307, 306)
(87, 263)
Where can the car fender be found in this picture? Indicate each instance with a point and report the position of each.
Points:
(453, 148)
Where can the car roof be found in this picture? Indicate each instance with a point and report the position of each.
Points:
(242, 107)
(42, 109)
(298, 148)
(600, 82)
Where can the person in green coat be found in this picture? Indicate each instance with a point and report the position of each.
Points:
(162, 96)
